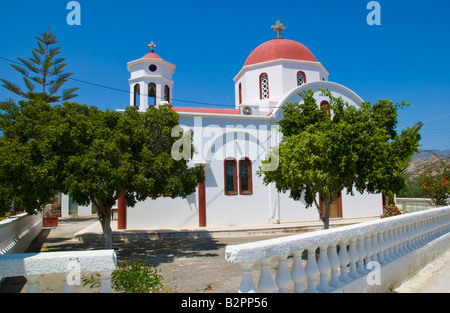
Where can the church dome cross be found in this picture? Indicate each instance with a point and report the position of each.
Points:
(278, 27)
(152, 45)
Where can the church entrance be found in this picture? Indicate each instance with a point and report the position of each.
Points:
(335, 206)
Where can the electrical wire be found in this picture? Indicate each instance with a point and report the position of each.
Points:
(129, 92)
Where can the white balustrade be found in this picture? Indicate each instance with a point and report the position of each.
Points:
(17, 232)
(71, 264)
(338, 257)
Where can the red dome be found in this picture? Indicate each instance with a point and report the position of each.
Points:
(280, 48)
(151, 55)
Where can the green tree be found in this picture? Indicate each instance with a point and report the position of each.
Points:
(354, 149)
(26, 176)
(45, 70)
(103, 155)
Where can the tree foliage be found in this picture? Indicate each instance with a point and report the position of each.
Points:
(103, 155)
(45, 70)
(95, 156)
(26, 178)
(354, 149)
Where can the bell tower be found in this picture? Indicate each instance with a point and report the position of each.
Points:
(150, 81)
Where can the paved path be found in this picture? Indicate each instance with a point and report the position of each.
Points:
(187, 265)
(434, 278)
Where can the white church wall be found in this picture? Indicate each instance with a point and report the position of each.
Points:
(361, 205)
(164, 212)
(236, 209)
(296, 211)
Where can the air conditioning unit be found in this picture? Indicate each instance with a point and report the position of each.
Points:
(250, 110)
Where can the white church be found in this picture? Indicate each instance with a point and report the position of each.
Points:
(231, 143)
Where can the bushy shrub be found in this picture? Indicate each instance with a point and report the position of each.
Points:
(137, 277)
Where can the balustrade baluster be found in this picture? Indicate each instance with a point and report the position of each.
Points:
(265, 283)
(283, 278)
(33, 283)
(404, 238)
(311, 270)
(105, 286)
(324, 269)
(298, 274)
(353, 254)
(369, 249)
(69, 283)
(334, 264)
(361, 255)
(375, 247)
(391, 241)
(247, 285)
(381, 251)
(408, 234)
(396, 243)
(344, 259)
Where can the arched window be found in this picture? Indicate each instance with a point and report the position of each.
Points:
(137, 93)
(166, 93)
(151, 94)
(325, 104)
(264, 86)
(301, 78)
(245, 176)
(240, 93)
(230, 173)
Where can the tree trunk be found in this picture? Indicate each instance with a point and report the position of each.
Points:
(326, 218)
(105, 220)
(325, 198)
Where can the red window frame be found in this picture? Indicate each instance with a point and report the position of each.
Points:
(260, 86)
(230, 162)
(249, 190)
(166, 93)
(304, 77)
(240, 93)
(324, 102)
(149, 95)
(137, 92)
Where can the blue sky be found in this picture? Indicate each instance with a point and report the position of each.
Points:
(405, 58)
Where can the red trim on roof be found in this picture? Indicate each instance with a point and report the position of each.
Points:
(206, 110)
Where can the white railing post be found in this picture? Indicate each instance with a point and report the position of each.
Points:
(375, 246)
(33, 283)
(344, 258)
(353, 254)
(335, 264)
(324, 269)
(298, 274)
(247, 285)
(311, 270)
(265, 283)
(283, 278)
(105, 285)
(382, 245)
(361, 256)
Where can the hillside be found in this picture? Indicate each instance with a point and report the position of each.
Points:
(425, 161)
